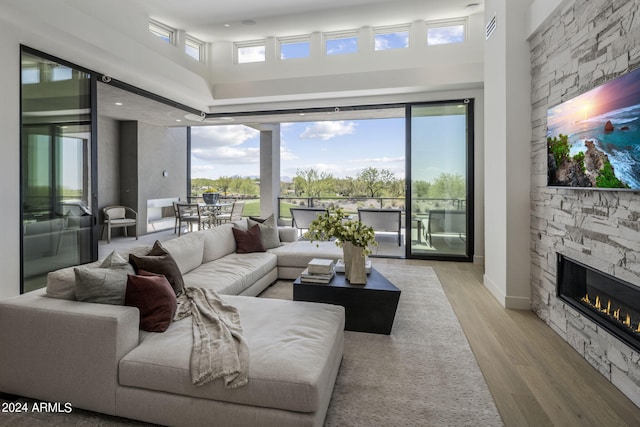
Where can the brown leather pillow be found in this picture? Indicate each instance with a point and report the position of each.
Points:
(248, 241)
(159, 261)
(153, 295)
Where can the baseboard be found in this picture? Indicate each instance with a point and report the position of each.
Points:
(478, 259)
(494, 290)
(515, 303)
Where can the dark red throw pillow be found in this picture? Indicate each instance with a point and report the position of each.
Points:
(154, 297)
(248, 241)
(159, 261)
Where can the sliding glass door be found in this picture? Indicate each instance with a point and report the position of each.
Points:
(57, 161)
(440, 180)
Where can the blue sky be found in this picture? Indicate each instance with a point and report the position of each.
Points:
(341, 148)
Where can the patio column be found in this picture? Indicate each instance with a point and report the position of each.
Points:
(269, 168)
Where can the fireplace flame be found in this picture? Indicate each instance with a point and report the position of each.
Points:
(625, 318)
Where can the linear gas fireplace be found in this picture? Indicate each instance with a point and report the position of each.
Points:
(610, 302)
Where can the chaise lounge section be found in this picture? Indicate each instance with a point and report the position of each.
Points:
(95, 357)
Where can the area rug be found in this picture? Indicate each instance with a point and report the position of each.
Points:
(423, 374)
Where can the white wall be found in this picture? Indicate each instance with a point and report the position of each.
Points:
(414, 69)
(507, 145)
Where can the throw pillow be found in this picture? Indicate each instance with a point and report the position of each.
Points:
(248, 241)
(103, 285)
(268, 230)
(113, 260)
(153, 295)
(160, 261)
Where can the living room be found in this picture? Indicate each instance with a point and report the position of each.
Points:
(531, 48)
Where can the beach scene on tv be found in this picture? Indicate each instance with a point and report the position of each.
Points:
(593, 140)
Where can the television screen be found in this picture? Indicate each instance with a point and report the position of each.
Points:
(593, 140)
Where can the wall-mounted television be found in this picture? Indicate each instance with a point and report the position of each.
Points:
(593, 140)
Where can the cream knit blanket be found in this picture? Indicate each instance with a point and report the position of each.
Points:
(219, 349)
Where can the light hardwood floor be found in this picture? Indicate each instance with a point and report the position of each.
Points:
(535, 377)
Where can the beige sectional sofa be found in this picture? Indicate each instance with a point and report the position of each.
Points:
(94, 356)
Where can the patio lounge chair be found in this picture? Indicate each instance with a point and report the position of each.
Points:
(387, 220)
(302, 217)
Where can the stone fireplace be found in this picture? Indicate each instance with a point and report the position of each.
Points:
(584, 44)
(611, 303)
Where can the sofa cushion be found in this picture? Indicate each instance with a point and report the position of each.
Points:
(186, 250)
(268, 231)
(105, 284)
(299, 253)
(290, 363)
(232, 274)
(218, 242)
(153, 295)
(160, 261)
(248, 241)
(61, 283)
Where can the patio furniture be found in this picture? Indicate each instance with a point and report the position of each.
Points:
(301, 218)
(234, 215)
(384, 220)
(119, 217)
(443, 222)
(189, 214)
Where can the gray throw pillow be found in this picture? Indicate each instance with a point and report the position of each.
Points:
(268, 231)
(103, 285)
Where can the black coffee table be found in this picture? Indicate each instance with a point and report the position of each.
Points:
(368, 308)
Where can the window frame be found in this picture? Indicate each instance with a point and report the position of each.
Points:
(161, 30)
(464, 22)
(338, 35)
(391, 29)
(190, 41)
(293, 40)
(253, 43)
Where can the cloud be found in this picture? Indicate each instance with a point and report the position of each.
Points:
(328, 130)
(445, 35)
(222, 144)
(251, 54)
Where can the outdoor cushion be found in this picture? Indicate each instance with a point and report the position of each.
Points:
(285, 371)
(232, 274)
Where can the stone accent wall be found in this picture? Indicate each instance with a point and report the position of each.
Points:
(587, 43)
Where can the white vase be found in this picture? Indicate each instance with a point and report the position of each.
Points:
(358, 271)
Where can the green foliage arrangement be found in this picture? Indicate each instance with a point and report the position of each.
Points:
(559, 147)
(335, 224)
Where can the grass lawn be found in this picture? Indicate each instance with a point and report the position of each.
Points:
(252, 208)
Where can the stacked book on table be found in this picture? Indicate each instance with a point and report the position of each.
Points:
(318, 270)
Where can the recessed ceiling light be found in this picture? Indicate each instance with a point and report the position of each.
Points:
(248, 22)
(227, 25)
(178, 120)
(118, 103)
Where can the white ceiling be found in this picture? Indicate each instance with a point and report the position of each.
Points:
(206, 19)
